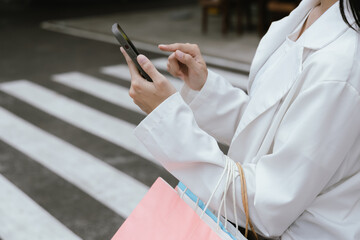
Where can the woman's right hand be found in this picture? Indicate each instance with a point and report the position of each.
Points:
(187, 64)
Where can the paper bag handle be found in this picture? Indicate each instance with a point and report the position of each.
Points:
(245, 201)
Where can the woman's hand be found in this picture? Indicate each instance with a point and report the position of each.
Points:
(147, 95)
(186, 63)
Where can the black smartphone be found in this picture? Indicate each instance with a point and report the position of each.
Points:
(129, 47)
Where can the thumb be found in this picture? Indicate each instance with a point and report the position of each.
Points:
(185, 58)
(148, 67)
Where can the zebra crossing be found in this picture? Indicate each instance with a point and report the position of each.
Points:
(15, 203)
(85, 193)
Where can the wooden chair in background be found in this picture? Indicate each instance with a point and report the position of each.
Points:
(220, 5)
(225, 8)
(271, 10)
(268, 11)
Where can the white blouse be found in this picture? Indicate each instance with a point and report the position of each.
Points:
(290, 41)
(307, 186)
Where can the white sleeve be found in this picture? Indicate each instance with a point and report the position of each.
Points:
(312, 141)
(217, 107)
(172, 136)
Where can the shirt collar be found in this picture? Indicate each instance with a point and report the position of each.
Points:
(328, 27)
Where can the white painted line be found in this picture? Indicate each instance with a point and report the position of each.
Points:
(118, 71)
(22, 218)
(236, 79)
(99, 88)
(98, 123)
(226, 63)
(121, 71)
(108, 38)
(56, 27)
(109, 186)
(160, 63)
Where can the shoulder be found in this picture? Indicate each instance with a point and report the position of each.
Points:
(339, 61)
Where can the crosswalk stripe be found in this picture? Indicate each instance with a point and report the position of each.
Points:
(121, 71)
(131, 164)
(99, 88)
(22, 218)
(236, 79)
(109, 186)
(100, 124)
(78, 211)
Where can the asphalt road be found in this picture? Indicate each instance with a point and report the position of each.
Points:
(65, 135)
(35, 55)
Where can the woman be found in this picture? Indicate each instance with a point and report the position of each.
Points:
(296, 133)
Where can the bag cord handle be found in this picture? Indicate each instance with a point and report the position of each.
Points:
(245, 201)
(229, 172)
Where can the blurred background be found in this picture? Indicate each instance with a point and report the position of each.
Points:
(70, 167)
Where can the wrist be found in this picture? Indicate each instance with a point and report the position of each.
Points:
(198, 83)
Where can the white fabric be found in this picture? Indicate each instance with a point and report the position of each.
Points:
(289, 41)
(307, 185)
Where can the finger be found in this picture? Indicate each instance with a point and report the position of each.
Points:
(132, 68)
(149, 68)
(173, 65)
(165, 47)
(186, 59)
(191, 49)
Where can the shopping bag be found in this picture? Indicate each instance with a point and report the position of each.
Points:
(161, 215)
(166, 213)
(226, 233)
(219, 223)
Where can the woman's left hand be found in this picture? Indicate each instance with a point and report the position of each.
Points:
(147, 95)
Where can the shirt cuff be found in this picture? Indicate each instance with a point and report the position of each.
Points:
(155, 117)
(195, 98)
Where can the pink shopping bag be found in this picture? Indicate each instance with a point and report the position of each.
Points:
(161, 215)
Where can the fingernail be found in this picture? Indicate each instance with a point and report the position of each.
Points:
(142, 59)
(161, 45)
(180, 54)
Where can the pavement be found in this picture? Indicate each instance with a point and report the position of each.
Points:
(169, 25)
(70, 167)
